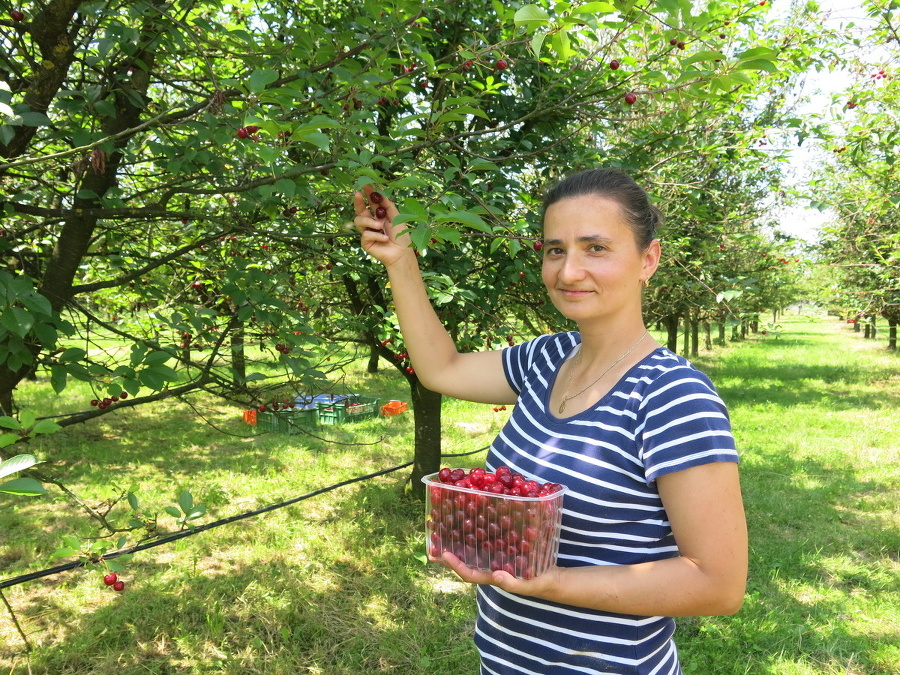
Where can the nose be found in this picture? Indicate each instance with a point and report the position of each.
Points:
(571, 269)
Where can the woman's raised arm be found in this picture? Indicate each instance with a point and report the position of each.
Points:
(472, 376)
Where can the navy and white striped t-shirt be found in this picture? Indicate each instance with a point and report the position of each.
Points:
(662, 416)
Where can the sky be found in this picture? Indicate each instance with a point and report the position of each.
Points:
(799, 221)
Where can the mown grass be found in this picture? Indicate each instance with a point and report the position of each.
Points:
(335, 583)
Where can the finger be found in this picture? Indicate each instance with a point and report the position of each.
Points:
(359, 204)
(464, 572)
(388, 204)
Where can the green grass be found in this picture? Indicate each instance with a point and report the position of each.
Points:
(335, 584)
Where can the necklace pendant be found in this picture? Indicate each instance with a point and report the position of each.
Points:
(562, 406)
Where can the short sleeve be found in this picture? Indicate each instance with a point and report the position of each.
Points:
(548, 350)
(685, 424)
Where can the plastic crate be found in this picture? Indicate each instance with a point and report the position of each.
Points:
(286, 421)
(492, 531)
(311, 402)
(392, 408)
(250, 417)
(350, 409)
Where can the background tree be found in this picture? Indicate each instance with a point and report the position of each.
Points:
(862, 245)
(177, 176)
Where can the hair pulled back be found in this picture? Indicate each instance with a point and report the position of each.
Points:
(643, 218)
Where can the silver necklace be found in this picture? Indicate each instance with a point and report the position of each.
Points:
(567, 398)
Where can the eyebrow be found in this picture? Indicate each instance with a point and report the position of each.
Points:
(588, 239)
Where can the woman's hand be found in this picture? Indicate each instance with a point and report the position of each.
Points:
(380, 238)
(536, 587)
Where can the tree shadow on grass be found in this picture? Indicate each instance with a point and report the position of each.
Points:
(783, 381)
(357, 614)
(808, 520)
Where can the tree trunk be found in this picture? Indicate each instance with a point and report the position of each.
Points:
(372, 365)
(671, 323)
(892, 335)
(695, 336)
(687, 335)
(238, 357)
(707, 336)
(722, 333)
(427, 416)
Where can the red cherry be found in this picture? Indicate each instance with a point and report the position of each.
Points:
(538, 245)
(95, 402)
(243, 133)
(123, 395)
(119, 586)
(376, 197)
(380, 212)
(630, 98)
(16, 15)
(614, 64)
(110, 579)
(673, 41)
(681, 45)
(502, 64)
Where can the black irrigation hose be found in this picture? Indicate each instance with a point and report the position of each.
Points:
(14, 581)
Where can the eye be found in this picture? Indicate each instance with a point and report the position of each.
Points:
(553, 250)
(596, 248)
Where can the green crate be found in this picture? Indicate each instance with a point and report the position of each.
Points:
(286, 421)
(352, 409)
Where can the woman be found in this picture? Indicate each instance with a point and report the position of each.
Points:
(653, 522)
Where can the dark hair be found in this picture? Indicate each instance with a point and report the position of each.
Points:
(639, 213)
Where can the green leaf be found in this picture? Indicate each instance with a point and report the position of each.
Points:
(286, 187)
(758, 64)
(466, 218)
(172, 511)
(133, 501)
(156, 358)
(8, 439)
(25, 487)
(260, 78)
(185, 501)
(531, 17)
(705, 55)
(537, 42)
(313, 137)
(410, 212)
(596, 8)
(16, 464)
(46, 334)
(58, 378)
(65, 552)
(8, 422)
(757, 53)
(17, 320)
(560, 42)
(72, 354)
(45, 427)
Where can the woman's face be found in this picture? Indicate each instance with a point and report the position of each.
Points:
(592, 267)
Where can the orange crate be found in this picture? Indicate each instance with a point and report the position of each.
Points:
(394, 408)
(250, 417)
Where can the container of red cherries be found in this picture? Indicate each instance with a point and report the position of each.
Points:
(493, 520)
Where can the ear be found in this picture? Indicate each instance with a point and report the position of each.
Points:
(651, 260)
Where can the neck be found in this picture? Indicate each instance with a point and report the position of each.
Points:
(602, 345)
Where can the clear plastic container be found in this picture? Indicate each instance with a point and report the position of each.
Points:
(490, 531)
